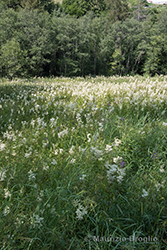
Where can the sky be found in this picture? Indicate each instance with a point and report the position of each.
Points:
(157, 1)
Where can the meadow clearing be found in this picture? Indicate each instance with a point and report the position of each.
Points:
(83, 163)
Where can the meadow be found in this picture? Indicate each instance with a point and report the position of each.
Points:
(83, 163)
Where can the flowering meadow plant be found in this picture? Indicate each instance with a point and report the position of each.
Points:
(83, 157)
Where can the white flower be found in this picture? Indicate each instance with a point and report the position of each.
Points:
(111, 168)
(56, 152)
(145, 193)
(158, 185)
(161, 169)
(32, 122)
(36, 220)
(54, 162)
(72, 160)
(45, 168)
(164, 123)
(37, 107)
(6, 211)
(73, 129)
(108, 148)
(27, 155)
(31, 175)
(71, 151)
(60, 150)
(116, 160)
(121, 173)
(63, 133)
(82, 149)
(14, 153)
(95, 137)
(7, 193)
(2, 146)
(81, 211)
(82, 177)
(114, 172)
(96, 152)
(2, 175)
(117, 142)
(41, 194)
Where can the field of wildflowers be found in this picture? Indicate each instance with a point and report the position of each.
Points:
(83, 163)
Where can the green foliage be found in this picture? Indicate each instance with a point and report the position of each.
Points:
(41, 5)
(117, 10)
(81, 7)
(11, 59)
(104, 38)
(82, 163)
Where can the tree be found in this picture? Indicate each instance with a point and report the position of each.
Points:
(140, 9)
(156, 61)
(11, 59)
(33, 33)
(117, 10)
(81, 7)
(42, 5)
(14, 4)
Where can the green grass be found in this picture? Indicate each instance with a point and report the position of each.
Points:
(59, 141)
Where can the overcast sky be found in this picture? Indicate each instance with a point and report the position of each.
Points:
(158, 1)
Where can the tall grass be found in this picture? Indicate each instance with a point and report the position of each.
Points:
(83, 163)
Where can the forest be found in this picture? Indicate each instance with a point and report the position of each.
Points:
(82, 37)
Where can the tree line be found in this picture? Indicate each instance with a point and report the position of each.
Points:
(47, 39)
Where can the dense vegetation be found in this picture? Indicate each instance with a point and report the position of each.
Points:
(79, 38)
(83, 163)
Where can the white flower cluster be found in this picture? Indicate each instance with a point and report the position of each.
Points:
(82, 149)
(2, 175)
(36, 220)
(81, 211)
(108, 148)
(71, 151)
(95, 137)
(53, 122)
(97, 153)
(6, 210)
(100, 126)
(116, 142)
(45, 167)
(114, 172)
(9, 135)
(54, 162)
(41, 194)
(73, 161)
(145, 193)
(7, 193)
(27, 155)
(2, 146)
(63, 133)
(82, 177)
(162, 169)
(60, 150)
(78, 117)
(159, 185)
(31, 175)
(116, 160)
(164, 123)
